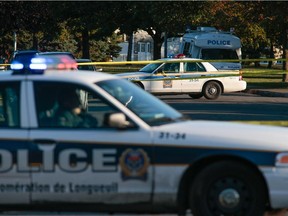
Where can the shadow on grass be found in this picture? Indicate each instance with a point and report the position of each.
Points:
(265, 85)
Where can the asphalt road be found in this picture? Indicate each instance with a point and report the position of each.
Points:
(232, 107)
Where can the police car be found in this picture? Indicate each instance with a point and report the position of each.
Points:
(190, 76)
(127, 151)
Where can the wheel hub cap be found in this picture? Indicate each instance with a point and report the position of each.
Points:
(229, 198)
(212, 91)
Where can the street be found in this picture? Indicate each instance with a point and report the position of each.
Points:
(231, 107)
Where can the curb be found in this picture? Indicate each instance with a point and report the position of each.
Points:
(267, 93)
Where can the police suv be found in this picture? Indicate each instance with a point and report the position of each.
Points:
(127, 151)
(183, 75)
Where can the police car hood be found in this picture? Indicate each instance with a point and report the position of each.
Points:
(226, 65)
(223, 135)
(134, 74)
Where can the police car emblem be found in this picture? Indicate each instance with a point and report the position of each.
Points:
(167, 84)
(134, 164)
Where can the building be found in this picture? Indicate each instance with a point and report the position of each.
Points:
(142, 47)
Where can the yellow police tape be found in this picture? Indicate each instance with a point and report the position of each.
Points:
(176, 60)
(246, 71)
(272, 123)
(181, 60)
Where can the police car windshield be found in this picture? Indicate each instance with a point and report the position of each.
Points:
(149, 108)
(209, 54)
(150, 67)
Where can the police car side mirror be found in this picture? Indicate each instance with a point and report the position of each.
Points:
(118, 120)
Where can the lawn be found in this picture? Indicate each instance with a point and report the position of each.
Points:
(264, 78)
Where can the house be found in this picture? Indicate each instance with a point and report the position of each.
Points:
(142, 47)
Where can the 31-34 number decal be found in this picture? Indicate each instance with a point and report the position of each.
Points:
(168, 135)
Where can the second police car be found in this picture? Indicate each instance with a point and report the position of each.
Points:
(190, 76)
(73, 139)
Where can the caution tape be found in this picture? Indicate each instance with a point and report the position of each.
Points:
(182, 60)
(272, 123)
(175, 60)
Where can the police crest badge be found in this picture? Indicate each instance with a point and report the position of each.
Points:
(167, 83)
(134, 164)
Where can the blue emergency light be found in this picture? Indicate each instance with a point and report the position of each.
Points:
(40, 64)
(16, 65)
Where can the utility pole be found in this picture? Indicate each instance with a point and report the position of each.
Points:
(15, 40)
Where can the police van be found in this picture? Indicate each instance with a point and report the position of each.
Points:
(208, 43)
(127, 151)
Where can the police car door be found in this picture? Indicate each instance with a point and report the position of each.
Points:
(168, 79)
(15, 179)
(193, 77)
(86, 161)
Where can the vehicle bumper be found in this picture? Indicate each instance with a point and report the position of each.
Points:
(277, 182)
(235, 86)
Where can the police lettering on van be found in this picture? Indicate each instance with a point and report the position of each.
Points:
(219, 42)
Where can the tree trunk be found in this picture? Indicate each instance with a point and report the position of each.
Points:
(285, 66)
(285, 54)
(130, 46)
(157, 46)
(34, 42)
(85, 44)
(271, 55)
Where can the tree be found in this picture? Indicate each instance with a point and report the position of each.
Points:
(240, 16)
(157, 18)
(89, 19)
(276, 26)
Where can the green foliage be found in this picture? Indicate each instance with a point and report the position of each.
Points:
(60, 25)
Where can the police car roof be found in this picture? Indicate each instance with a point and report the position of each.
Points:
(55, 67)
(177, 59)
(83, 76)
(64, 75)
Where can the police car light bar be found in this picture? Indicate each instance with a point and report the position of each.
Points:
(17, 65)
(39, 64)
(180, 56)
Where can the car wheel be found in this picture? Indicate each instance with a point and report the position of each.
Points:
(212, 90)
(196, 95)
(227, 188)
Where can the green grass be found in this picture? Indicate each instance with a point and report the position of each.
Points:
(264, 78)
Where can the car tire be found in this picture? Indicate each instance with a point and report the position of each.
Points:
(227, 188)
(212, 90)
(196, 95)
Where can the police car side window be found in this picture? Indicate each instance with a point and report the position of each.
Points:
(10, 104)
(171, 67)
(63, 105)
(194, 67)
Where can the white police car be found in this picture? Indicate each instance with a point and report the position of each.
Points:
(127, 151)
(186, 76)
